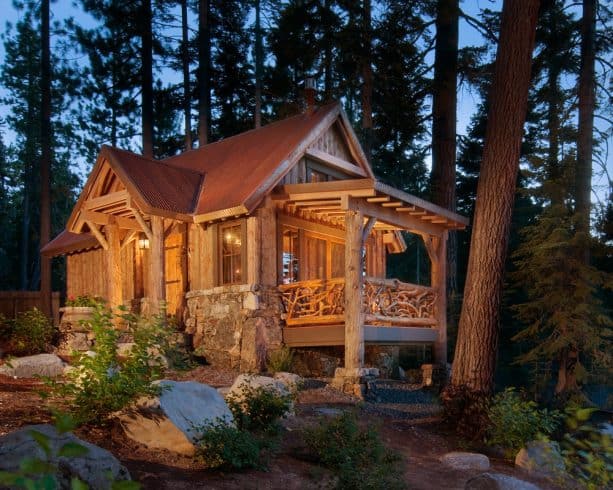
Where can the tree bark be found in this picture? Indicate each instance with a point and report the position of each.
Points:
(45, 161)
(444, 116)
(367, 79)
(204, 58)
(477, 344)
(147, 78)
(583, 173)
(259, 60)
(187, 102)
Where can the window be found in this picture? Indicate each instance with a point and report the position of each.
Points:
(290, 255)
(231, 256)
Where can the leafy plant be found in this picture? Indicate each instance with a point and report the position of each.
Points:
(258, 408)
(359, 458)
(587, 451)
(40, 473)
(30, 333)
(227, 447)
(280, 360)
(514, 421)
(103, 383)
(85, 300)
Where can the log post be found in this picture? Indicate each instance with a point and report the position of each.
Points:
(156, 290)
(114, 294)
(438, 281)
(354, 318)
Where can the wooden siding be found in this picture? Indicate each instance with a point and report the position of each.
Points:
(200, 257)
(333, 142)
(14, 302)
(85, 273)
(173, 263)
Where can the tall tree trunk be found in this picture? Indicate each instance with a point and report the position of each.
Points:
(367, 79)
(475, 356)
(327, 52)
(583, 173)
(187, 102)
(204, 59)
(147, 78)
(259, 61)
(45, 161)
(444, 110)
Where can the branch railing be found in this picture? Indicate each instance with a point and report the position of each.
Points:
(385, 302)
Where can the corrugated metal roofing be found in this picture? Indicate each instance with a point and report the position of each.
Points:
(67, 242)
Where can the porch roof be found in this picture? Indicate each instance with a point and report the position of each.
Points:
(392, 208)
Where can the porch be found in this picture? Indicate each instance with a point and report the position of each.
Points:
(393, 312)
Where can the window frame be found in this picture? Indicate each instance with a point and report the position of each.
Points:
(219, 233)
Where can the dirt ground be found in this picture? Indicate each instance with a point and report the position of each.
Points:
(421, 442)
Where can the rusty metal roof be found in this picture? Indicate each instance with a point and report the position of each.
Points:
(67, 242)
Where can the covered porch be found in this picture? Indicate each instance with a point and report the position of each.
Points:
(356, 308)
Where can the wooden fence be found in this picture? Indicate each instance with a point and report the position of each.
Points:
(13, 302)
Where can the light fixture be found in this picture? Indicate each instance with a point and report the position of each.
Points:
(143, 243)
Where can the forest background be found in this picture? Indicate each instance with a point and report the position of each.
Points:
(158, 77)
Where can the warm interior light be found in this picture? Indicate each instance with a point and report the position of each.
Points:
(143, 243)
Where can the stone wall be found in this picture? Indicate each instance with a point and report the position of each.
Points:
(234, 326)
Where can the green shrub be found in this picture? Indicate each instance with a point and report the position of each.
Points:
(358, 457)
(280, 360)
(514, 421)
(259, 409)
(587, 452)
(226, 447)
(102, 383)
(30, 333)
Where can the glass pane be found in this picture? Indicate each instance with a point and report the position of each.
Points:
(231, 244)
(290, 255)
(315, 258)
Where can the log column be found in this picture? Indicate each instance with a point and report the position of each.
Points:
(156, 290)
(113, 266)
(354, 317)
(438, 279)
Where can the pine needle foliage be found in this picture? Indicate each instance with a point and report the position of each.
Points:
(563, 311)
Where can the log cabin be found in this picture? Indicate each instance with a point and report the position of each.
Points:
(276, 236)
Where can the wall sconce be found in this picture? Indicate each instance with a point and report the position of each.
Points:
(143, 243)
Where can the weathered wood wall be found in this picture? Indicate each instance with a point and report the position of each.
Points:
(14, 302)
(333, 143)
(200, 257)
(85, 273)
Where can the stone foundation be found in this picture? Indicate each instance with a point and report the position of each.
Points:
(234, 326)
(354, 381)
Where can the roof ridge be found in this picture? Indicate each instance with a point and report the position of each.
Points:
(152, 160)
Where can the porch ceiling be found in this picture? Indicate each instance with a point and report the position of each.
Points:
(392, 208)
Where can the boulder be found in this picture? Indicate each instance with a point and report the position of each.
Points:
(252, 381)
(541, 458)
(466, 461)
(97, 467)
(498, 481)
(176, 418)
(291, 381)
(30, 366)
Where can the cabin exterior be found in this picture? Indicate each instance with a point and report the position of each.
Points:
(275, 236)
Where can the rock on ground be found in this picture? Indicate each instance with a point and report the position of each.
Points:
(252, 381)
(498, 481)
(30, 366)
(292, 381)
(174, 419)
(541, 458)
(466, 461)
(98, 467)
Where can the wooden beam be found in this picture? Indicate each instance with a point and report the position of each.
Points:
(392, 217)
(143, 224)
(156, 290)
(335, 162)
(107, 200)
(310, 226)
(107, 219)
(354, 317)
(99, 236)
(130, 236)
(114, 293)
(370, 223)
(394, 204)
(379, 199)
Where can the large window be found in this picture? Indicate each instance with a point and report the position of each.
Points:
(231, 253)
(306, 255)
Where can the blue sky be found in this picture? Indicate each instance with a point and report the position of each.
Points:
(467, 100)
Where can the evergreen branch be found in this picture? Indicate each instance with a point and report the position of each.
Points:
(479, 26)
